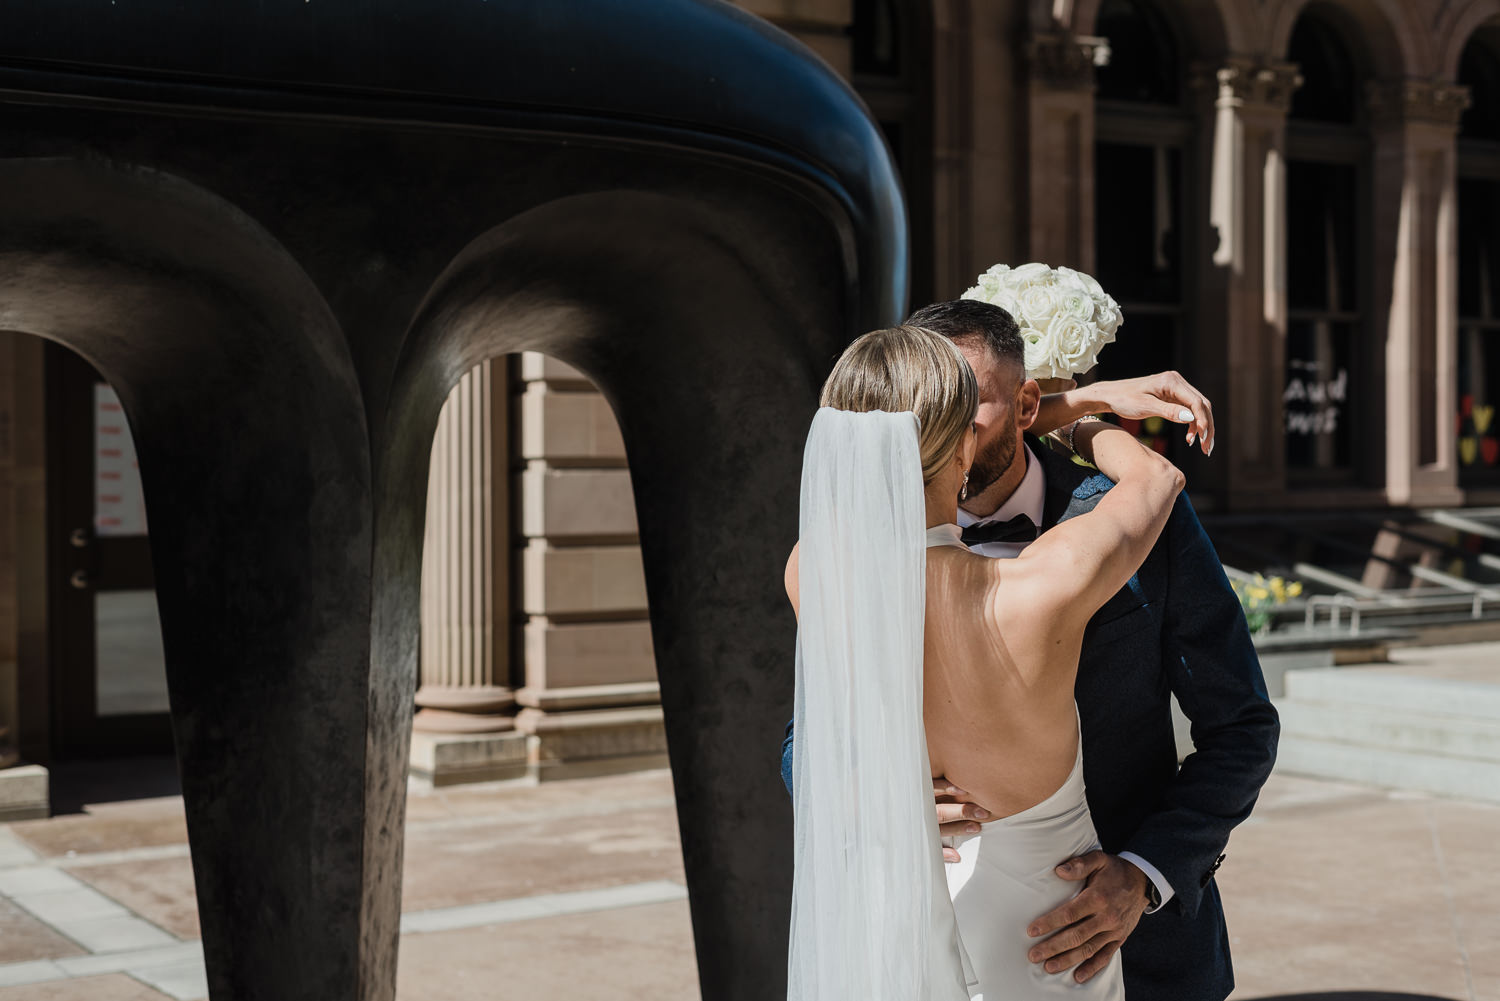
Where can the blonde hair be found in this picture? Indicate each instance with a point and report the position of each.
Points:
(909, 368)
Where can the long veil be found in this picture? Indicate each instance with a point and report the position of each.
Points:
(868, 859)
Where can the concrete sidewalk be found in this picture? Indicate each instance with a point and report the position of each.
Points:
(574, 890)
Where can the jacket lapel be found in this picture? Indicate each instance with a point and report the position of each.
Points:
(1062, 477)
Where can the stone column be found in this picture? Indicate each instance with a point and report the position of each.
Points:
(1244, 106)
(1414, 126)
(464, 729)
(1060, 147)
(592, 703)
(978, 107)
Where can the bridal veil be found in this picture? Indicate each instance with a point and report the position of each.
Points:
(871, 920)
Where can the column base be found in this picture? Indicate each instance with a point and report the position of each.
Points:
(25, 793)
(444, 759)
(593, 742)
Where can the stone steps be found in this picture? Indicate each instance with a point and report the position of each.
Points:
(1378, 726)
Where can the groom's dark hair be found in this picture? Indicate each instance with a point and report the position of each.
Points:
(967, 320)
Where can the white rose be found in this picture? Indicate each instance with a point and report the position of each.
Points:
(988, 283)
(1075, 343)
(1001, 297)
(1089, 284)
(1038, 304)
(1108, 319)
(1075, 304)
(1068, 278)
(1041, 354)
(1029, 274)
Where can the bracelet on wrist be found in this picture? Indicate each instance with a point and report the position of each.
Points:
(1073, 429)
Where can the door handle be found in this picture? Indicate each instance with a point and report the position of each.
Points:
(79, 538)
(79, 579)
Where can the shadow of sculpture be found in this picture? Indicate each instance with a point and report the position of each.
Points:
(1353, 996)
(283, 234)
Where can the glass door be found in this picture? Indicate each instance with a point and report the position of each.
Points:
(109, 690)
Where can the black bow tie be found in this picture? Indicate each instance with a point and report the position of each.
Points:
(1018, 529)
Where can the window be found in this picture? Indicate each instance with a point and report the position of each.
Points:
(1330, 357)
(1142, 140)
(1479, 268)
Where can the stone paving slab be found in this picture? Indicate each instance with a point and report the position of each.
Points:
(160, 890)
(108, 827)
(115, 987)
(23, 937)
(618, 955)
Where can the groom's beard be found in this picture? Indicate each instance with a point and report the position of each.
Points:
(991, 462)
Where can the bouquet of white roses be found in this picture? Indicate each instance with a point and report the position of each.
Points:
(1064, 316)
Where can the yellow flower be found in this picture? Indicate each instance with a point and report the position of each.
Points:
(1294, 589)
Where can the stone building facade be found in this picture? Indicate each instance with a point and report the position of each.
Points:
(1297, 204)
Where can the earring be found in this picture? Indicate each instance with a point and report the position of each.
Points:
(963, 491)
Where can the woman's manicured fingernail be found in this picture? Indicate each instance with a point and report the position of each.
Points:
(1191, 436)
(1184, 415)
(971, 828)
(981, 813)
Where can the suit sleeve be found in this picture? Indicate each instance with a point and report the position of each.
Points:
(1213, 670)
(786, 758)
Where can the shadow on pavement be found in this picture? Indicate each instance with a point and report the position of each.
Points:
(77, 783)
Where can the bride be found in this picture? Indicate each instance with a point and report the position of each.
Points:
(916, 658)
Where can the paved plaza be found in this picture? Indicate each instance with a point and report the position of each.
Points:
(574, 890)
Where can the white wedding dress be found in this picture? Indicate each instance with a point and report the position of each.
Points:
(1005, 880)
(871, 915)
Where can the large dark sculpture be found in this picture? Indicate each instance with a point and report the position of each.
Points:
(282, 230)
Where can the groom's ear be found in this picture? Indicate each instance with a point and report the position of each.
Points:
(1028, 402)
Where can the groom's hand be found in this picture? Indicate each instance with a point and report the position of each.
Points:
(1089, 929)
(957, 814)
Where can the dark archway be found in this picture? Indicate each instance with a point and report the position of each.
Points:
(744, 342)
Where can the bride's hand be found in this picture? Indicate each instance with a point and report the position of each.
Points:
(1166, 395)
(957, 814)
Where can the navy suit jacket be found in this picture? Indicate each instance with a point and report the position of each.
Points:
(1175, 628)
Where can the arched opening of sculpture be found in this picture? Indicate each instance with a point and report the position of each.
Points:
(88, 696)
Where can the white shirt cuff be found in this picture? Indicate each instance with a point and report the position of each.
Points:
(1152, 873)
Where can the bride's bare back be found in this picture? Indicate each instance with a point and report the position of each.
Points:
(1003, 636)
(998, 679)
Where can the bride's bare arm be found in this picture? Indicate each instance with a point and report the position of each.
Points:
(1096, 553)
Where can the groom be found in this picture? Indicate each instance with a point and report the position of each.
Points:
(1175, 629)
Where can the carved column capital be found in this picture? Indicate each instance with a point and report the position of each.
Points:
(1245, 83)
(1397, 102)
(1065, 61)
